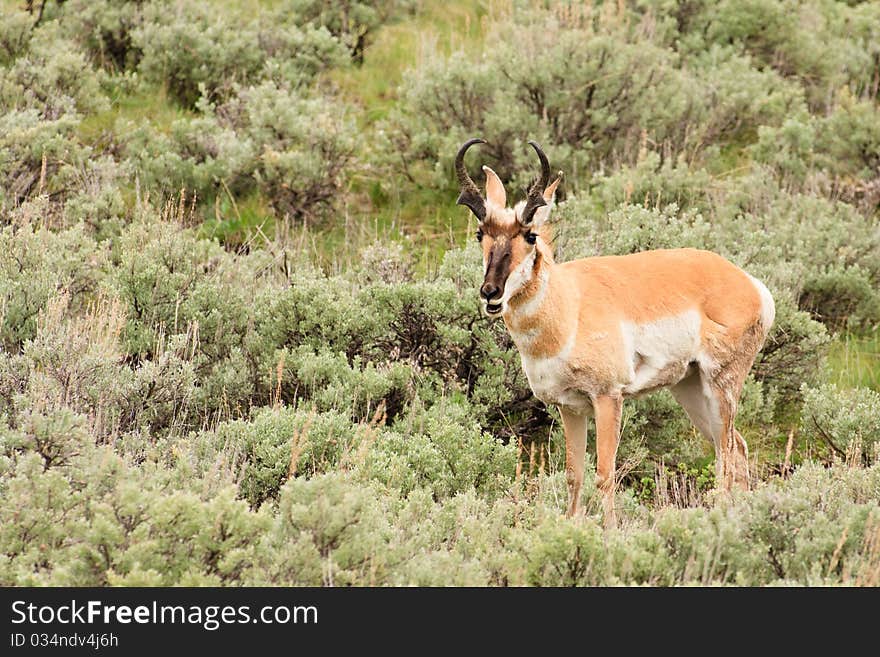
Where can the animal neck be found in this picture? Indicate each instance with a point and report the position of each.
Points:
(534, 312)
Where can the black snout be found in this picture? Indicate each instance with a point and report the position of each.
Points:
(489, 291)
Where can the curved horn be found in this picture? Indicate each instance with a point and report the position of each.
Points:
(535, 198)
(470, 193)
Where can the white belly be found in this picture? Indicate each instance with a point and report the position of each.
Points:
(660, 352)
(656, 354)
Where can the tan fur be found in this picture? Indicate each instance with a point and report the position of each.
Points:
(592, 332)
(607, 409)
(644, 287)
(575, 426)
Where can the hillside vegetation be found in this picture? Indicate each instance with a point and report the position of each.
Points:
(240, 340)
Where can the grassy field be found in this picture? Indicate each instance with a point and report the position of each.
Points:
(855, 361)
(424, 220)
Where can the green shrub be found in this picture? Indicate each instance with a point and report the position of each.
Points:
(329, 531)
(35, 263)
(567, 553)
(198, 156)
(629, 229)
(278, 443)
(808, 533)
(849, 143)
(350, 21)
(824, 45)
(842, 420)
(52, 75)
(653, 182)
(794, 353)
(45, 90)
(266, 137)
(842, 298)
(302, 146)
(177, 410)
(789, 148)
(105, 29)
(516, 91)
(33, 534)
(224, 50)
(75, 358)
(599, 94)
(446, 452)
(15, 35)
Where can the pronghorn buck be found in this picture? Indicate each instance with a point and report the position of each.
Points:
(595, 331)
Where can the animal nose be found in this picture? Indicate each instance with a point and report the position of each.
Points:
(489, 291)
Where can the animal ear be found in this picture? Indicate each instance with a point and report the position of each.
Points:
(550, 192)
(542, 214)
(495, 193)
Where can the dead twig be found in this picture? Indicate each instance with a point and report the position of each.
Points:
(786, 463)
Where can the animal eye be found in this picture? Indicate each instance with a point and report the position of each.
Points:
(531, 238)
(479, 236)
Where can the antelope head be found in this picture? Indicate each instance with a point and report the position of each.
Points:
(511, 238)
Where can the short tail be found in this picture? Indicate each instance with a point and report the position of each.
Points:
(768, 307)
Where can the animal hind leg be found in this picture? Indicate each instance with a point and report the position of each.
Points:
(710, 400)
(732, 454)
(693, 396)
(741, 480)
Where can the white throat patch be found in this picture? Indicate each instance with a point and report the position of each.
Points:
(533, 305)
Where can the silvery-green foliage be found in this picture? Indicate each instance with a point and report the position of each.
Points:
(176, 412)
(842, 419)
(826, 44)
(848, 143)
(54, 76)
(198, 156)
(303, 145)
(351, 21)
(445, 451)
(629, 229)
(842, 298)
(47, 86)
(15, 35)
(46, 172)
(199, 52)
(600, 94)
(789, 148)
(268, 137)
(105, 28)
(329, 531)
(36, 263)
(277, 443)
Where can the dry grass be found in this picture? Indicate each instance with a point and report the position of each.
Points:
(356, 451)
(297, 444)
(677, 489)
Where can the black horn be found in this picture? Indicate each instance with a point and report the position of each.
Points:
(470, 193)
(535, 197)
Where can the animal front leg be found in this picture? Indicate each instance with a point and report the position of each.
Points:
(608, 409)
(575, 453)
